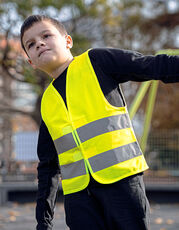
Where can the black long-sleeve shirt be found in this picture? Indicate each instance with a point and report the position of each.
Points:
(112, 67)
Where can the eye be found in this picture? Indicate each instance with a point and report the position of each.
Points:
(46, 35)
(30, 45)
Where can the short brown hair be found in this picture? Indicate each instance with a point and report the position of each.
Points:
(29, 21)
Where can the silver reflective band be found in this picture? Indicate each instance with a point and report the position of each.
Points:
(72, 170)
(93, 129)
(103, 125)
(65, 143)
(114, 156)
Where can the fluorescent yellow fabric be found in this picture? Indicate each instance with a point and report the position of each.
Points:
(86, 103)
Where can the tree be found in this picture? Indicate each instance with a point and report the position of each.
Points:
(13, 66)
(123, 24)
(146, 26)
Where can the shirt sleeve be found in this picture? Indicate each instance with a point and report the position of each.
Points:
(126, 65)
(48, 179)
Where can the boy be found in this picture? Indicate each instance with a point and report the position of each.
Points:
(86, 129)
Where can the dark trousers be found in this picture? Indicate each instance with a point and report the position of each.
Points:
(119, 206)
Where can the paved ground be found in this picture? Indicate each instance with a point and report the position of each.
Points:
(21, 217)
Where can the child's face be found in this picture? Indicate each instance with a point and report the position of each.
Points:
(46, 47)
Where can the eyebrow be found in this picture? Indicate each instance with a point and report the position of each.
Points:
(43, 31)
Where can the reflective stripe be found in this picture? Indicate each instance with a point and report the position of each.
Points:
(102, 126)
(91, 130)
(114, 156)
(73, 170)
(65, 143)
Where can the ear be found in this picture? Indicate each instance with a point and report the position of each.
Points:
(31, 63)
(69, 42)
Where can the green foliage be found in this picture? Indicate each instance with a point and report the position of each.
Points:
(169, 52)
(23, 8)
(81, 44)
(29, 74)
(122, 23)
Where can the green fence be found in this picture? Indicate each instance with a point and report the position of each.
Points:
(162, 155)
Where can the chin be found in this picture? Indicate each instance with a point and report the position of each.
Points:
(46, 61)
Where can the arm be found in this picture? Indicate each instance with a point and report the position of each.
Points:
(125, 65)
(48, 179)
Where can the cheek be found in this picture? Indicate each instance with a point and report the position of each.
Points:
(31, 54)
(61, 44)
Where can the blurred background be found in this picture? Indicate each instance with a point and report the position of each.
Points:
(144, 26)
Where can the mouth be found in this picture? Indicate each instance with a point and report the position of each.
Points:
(43, 51)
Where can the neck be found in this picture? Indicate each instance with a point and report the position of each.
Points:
(56, 72)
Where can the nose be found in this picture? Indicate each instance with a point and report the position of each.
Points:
(39, 43)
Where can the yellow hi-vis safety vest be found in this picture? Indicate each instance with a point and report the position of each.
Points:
(91, 135)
